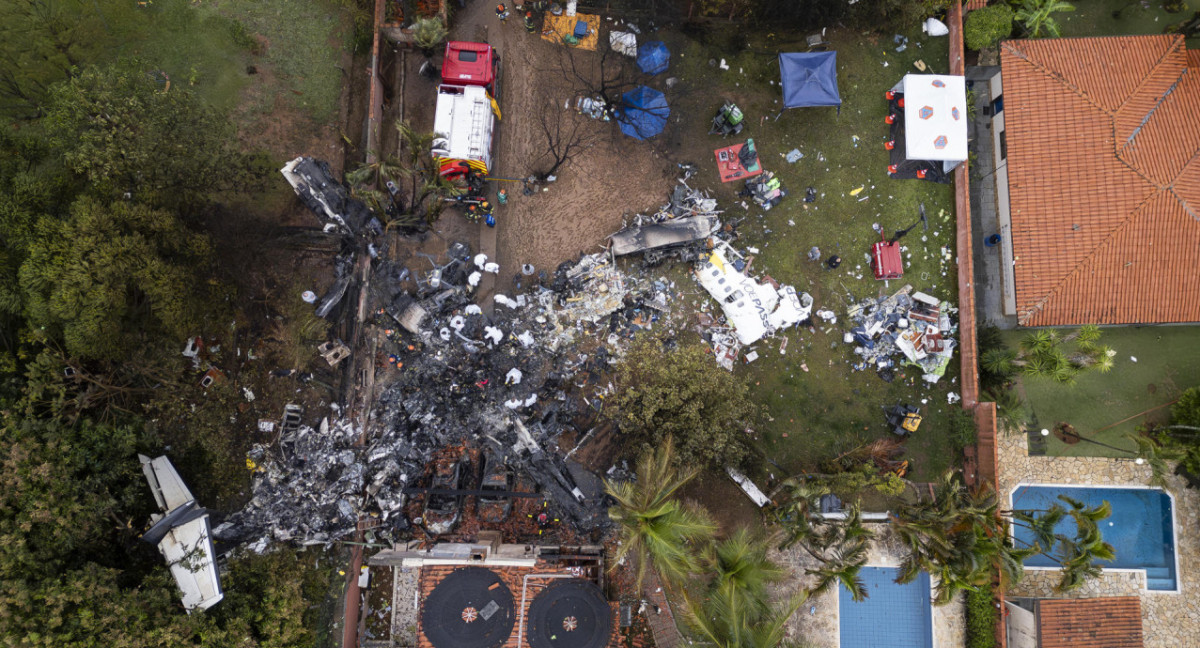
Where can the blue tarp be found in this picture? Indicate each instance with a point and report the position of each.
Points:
(643, 112)
(653, 57)
(809, 79)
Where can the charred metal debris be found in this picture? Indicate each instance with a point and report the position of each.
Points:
(508, 385)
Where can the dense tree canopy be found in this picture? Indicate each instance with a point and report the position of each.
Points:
(104, 174)
(125, 134)
(685, 395)
(106, 274)
(43, 41)
(74, 573)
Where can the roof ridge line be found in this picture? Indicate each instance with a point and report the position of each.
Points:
(1183, 203)
(1133, 213)
(1153, 109)
(1187, 207)
(1060, 79)
(1179, 44)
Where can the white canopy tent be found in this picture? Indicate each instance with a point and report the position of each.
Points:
(935, 117)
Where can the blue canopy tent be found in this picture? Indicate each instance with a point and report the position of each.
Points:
(809, 79)
(653, 57)
(643, 112)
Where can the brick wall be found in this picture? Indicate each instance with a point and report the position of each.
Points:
(984, 468)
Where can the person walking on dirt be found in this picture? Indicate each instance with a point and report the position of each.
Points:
(529, 27)
(502, 12)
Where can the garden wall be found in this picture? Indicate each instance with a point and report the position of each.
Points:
(984, 413)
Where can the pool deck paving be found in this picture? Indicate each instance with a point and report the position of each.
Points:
(816, 623)
(1169, 619)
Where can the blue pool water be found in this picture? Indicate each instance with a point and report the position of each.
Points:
(893, 616)
(1140, 528)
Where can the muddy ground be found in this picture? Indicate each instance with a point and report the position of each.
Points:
(615, 176)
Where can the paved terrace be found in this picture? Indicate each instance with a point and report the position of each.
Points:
(1169, 620)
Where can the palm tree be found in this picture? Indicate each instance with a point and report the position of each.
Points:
(998, 361)
(657, 530)
(428, 33)
(726, 623)
(366, 179)
(840, 547)
(1035, 15)
(797, 514)
(1078, 555)
(1008, 407)
(742, 570)
(959, 536)
(1087, 335)
(842, 566)
(1157, 454)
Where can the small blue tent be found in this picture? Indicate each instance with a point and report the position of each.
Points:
(653, 57)
(809, 79)
(643, 112)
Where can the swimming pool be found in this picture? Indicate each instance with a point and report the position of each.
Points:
(893, 616)
(1141, 529)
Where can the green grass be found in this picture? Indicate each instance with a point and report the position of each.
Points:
(207, 47)
(197, 49)
(1168, 362)
(828, 409)
(1095, 18)
(303, 41)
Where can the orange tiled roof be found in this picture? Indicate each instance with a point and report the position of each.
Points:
(971, 5)
(1090, 623)
(1103, 138)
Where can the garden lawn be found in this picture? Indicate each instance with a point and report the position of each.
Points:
(209, 47)
(1096, 18)
(819, 407)
(1098, 405)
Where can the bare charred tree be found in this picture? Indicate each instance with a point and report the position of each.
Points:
(564, 135)
(605, 76)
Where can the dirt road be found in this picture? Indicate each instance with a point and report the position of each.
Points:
(617, 175)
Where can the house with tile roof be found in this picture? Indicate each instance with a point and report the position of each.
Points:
(1105, 622)
(1097, 180)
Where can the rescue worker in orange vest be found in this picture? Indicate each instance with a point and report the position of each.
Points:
(502, 12)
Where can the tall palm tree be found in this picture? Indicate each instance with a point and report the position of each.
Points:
(428, 33)
(742, 569)
(1035, 15)
(842, 566)
(840, 547)
(367, 179)
(1157, 454)
(658, 530)
(726, 623)
(801, 499)
(1078, 555)
(959, 536)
